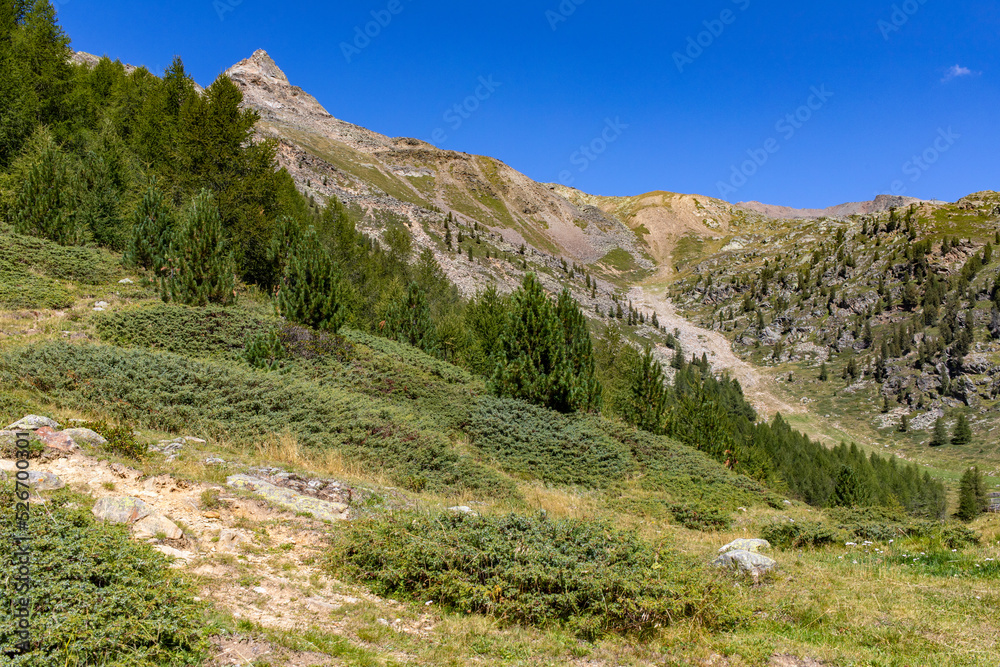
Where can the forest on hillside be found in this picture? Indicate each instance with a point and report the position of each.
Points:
(175, 180)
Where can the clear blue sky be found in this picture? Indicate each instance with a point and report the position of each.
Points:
(920, 79)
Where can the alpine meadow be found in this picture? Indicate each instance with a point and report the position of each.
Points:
(282, 390)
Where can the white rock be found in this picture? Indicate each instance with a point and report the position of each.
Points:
(31, 423)
(125, 281)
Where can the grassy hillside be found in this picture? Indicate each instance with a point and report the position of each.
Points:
(422, 435)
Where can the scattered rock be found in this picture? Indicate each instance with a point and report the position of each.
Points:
(290, 500)
(57, 440)
(44, 481)
(169, 448)
(747, 562)
(462, 509)
(32, 423)
(260, 590)
(213, 461)
(101, 304)
(753, 546)
(121, 509)
(125, 281)
(155, 524)
(85, 435)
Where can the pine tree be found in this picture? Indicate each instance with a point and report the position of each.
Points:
(824, 374)
(409, 321)
(311, 292)
(645, 402)
(848, 490)
(286, 236)
(962, 435)
(48, 200)
(585, 394)
(534, 361)
(152, 229)
(939, 438)
(972, 495)
(199, 269)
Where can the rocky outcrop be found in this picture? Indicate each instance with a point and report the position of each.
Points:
(290, 500)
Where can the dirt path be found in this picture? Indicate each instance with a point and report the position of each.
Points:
(696, 340)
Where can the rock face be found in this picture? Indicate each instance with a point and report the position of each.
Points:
(32, 423)
(121, 509)
(289, 500)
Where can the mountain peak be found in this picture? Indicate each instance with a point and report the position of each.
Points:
(261, 63)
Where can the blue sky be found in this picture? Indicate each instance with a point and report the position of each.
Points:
(800, 104)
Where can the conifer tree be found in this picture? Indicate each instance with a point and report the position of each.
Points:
(848, 490)
(311, 292)
(152, 228)
(409, 321)
(535, 363)
(200, 270)
(971, 495)
(962, 435)
(585, 395)
(645, 402)
(47, 202)
(939, 437)
(286, 236)
(824, 374)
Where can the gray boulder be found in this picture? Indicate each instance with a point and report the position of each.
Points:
(32, 422)
(86, 435)
(747, 562)
(44, 481)
(753, 546)
(121, 509)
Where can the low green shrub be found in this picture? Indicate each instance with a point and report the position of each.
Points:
(544, 444)
(685, 474)
(956, 535)
(587, 575)
(27, 290)
(791, 534)
(97, 597)
(227, 400)
(20, 254)
(695, 516)
(120, 439)
(182, 329)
